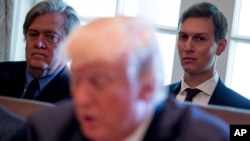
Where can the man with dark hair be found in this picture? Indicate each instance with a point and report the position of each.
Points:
(201, 39)
(43, 76)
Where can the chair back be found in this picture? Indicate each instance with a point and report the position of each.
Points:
(23, 107)
(228, 114)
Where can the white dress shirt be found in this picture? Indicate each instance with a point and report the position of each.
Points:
(203, 97)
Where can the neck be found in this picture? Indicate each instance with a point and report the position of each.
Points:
(39, 73)
(194, 80)
(134, 127)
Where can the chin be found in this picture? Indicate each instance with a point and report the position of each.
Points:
(93, 134)
(189, 70)
(42, 66)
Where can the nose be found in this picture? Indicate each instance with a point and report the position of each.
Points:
(189, 46)
(83, 98)
(40, 43)
(83, 95)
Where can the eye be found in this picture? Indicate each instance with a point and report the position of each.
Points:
(182, 37)
(200, 38)
(51, 37)
(32, 35)
(99, 82)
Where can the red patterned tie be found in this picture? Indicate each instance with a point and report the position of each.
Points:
(191, 93)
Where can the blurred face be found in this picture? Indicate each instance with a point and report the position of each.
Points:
(104, 100)
(42, 43)
(197, 47)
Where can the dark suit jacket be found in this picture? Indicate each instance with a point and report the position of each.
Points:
(222, 95)
(9, 123)
(13, 77)
(172, 121)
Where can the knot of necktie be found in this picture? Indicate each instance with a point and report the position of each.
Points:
(191, 93)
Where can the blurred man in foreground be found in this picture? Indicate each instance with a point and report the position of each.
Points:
(116, 85)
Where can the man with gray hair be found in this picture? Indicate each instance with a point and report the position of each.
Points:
(43, 76)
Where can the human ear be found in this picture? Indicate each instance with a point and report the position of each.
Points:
(221, 46)
(147, 87)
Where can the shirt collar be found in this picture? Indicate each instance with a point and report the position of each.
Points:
(42, 81)
(207, 87)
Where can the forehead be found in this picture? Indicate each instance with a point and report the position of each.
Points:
(97, 66)
(87, 45)
(197, 25)
(48, 22)
(95, 52)
(116, 41)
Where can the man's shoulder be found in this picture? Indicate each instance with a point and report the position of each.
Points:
(189, 120)
(48, 115)
(173, 88)
(229, 97)
(173, 84)
(62, 76)
(187, 111)
(12, 65)
(57, 90)
(12, 74)
(9, 122)
(54, 123)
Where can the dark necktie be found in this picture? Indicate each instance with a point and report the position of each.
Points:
(33, 86)
(191, 93)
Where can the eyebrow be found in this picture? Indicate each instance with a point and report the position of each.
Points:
(46, 31)
(195, 34)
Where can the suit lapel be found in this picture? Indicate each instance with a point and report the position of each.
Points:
(153, 129)
(174, 88)
(161, 129)
(218, 97)
(57, 88)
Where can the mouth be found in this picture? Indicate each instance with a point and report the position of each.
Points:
(38, 56)
(90, 120)
(188, 59)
